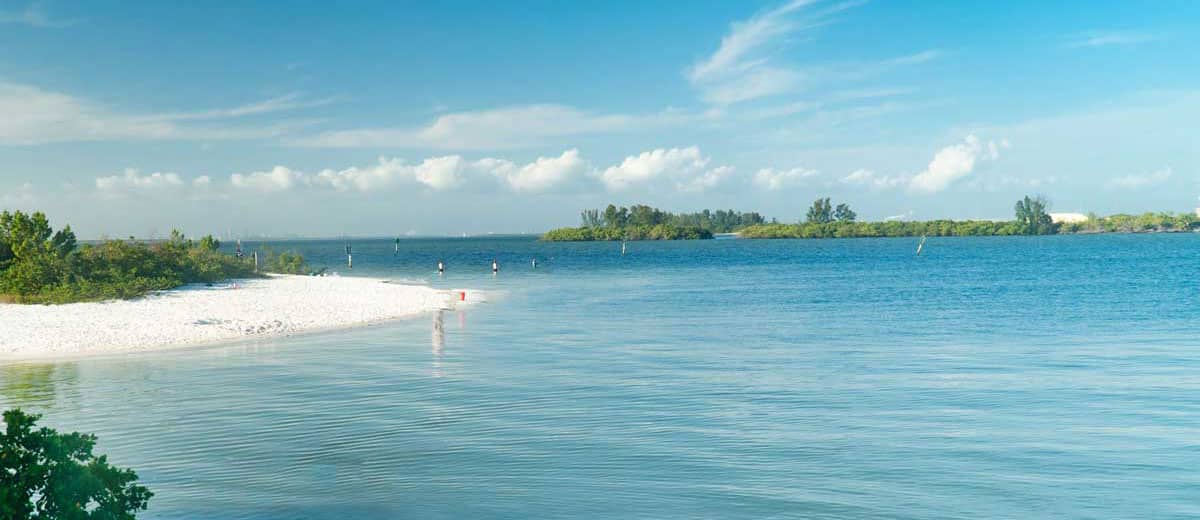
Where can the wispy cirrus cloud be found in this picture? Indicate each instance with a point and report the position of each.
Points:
(34, 15)
(1112, 38)
(495, 129)
(35, 116)
(1142, 180)
(285, 103)
(747, 64)
(742, 68)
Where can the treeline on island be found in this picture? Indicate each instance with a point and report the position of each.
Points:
(41, 265)
(642, 222)
(825, 220)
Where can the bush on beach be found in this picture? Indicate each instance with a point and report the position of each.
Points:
(39, 265)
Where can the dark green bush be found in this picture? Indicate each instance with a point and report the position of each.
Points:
(41, 266)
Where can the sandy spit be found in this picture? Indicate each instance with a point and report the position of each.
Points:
(197, 314)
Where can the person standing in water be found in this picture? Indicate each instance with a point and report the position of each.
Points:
(495, 266)
(441, 267)
(534, 262)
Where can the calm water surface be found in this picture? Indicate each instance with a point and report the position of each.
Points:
(1054, 377)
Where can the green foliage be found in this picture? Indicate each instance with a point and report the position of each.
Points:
(43, 266)
(843, 213)
(642, 222)
(821, 212)
(1144, 223)
(640, 232)
(1032, 216)
(850, 229)
(287, 262)
(45, 474)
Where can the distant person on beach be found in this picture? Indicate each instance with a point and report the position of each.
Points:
(535, 263)
(495, 266)
(441, 267)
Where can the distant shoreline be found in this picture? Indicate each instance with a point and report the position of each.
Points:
(196, 314)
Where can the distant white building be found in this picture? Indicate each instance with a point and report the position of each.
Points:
(1073, 218)
(1198, 212)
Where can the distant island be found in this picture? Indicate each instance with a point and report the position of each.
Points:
(825, 220)
(641, 222)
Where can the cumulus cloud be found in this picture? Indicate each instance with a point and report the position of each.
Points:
(774, 180)
(546, 172)
(955, 162)
(132, 180)
(682, 165)
(1140, 181)
(435, 173)
(707, 180)
(864, 177)
(383, 173)
(279, 178)
(685, 169)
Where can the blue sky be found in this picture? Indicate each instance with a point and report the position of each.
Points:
(381, 118)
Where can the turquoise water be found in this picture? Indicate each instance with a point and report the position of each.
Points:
(1053, 377)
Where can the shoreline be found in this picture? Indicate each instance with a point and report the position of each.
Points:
(195, 316)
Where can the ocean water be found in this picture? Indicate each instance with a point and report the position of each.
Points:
(1023, 377)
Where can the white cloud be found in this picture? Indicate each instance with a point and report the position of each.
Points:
(284, 103)
(22, 198)
(774, 180)
(1109, 38)
(864, 177)
(955, 162)
(740, 69)
(436, 173)
(500, 128)
(546, 172)
(441, 173)
(133, 180)
(202, 181)
(707, 180)
(744, 66)
(279, 178)
(1139, 181)
(34, 16)
(682, 164)
(35, 116)
(370, 178)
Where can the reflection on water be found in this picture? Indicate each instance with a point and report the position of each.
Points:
(438, 340)
(34, 385)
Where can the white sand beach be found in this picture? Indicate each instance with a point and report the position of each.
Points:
(197, 314)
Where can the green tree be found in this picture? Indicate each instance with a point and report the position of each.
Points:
(208, 243)
(1032, 216)
(45, 475)
(821, 212)
(843, 213)
(591, 218)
